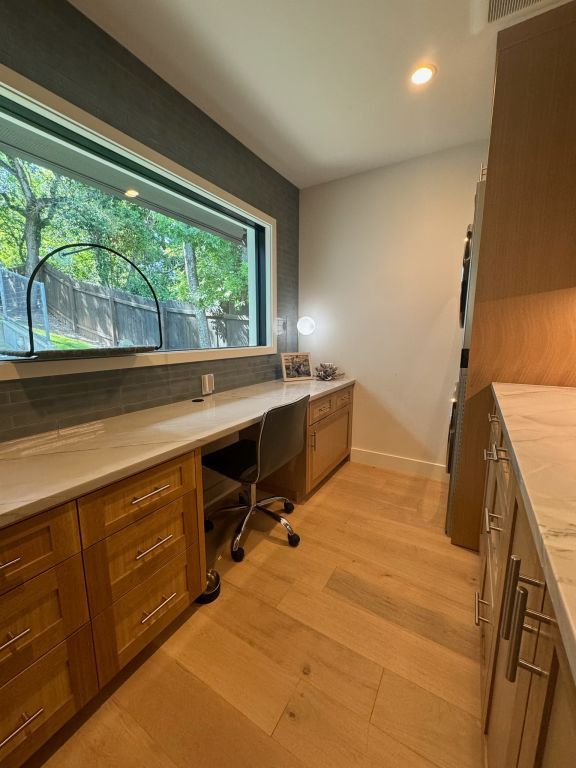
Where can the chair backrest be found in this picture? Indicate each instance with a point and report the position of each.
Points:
(282, 435)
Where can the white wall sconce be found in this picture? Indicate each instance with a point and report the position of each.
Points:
(306, 325)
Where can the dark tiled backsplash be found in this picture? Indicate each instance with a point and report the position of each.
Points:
(69, 55)
(29, 406)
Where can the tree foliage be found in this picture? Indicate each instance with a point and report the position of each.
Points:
(41, 210)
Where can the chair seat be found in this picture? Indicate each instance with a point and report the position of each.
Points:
(238, 461)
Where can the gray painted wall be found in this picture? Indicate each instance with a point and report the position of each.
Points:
(67, 54)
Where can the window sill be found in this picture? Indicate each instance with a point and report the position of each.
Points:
(31, 369)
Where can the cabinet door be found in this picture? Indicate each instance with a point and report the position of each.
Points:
(35, 545)
(38, 701)
(107, 511)
(329, 444)
(549, 738)
(508, 698)
(126, 627)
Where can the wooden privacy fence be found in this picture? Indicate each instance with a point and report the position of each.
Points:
(109, 317)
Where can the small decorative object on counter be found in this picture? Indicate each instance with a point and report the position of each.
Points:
(328, 372)
(296, 366)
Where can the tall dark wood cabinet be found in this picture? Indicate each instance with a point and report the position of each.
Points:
(525, 311)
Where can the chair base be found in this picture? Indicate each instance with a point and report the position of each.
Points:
(250, 508)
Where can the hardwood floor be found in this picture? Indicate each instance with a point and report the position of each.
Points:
(358, 649)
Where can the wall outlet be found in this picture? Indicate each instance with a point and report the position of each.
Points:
(207, 383)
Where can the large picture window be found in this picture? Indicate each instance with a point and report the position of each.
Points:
(208, 263)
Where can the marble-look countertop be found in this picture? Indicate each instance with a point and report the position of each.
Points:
(40, 472)
(540, 423)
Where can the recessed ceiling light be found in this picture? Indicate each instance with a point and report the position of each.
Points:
(131, 193)
(423, 75)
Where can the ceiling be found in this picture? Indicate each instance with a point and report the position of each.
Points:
(320, 88)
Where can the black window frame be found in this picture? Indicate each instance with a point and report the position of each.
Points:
(53, 128)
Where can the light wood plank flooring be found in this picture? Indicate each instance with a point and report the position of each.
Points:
(356, 649)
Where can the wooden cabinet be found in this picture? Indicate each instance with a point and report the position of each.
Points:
(104, 512)
(37, 702)
(328, 442)
(71, 618)
(124, 629)
(511, 683)
(549, 739)
(122, 561)
(32, 546)
(526, 267)
(39, 614)
(529, 692)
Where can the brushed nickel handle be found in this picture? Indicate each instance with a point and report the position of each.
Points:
(520, 612)
(491, 455)
(533, 668)
(140, 555)
(477, 604)
(500, 449)
(493, 418)
(165, 601)
(537, 616)
(513, 577)
(9, 563)
(509, 592)
(137, 500)
(27, 721)
(516, 634)
(487, 524)
(313, 441)
(14, 638)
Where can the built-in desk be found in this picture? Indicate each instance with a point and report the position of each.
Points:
(39, 472)
(102, 541)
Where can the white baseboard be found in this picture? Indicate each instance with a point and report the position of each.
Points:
(400, 464)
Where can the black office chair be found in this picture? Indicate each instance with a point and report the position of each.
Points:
(281, 436)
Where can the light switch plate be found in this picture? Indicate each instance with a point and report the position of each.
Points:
(207, 383)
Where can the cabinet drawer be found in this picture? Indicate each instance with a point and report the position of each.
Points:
(39, 614)
(318, 409)
(119, 563)
(125, 628)
(342, 398)
(37, 544)
(104, 512)
(37, 702)
(328, 445)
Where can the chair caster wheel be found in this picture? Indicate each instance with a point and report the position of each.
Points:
(238, 555)
(293, 539)
(208, 526)
(288, 507)
(212, 591)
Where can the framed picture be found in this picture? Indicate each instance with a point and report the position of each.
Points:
(296, 366)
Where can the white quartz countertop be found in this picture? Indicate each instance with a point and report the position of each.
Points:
(540, 423)
(45, 470)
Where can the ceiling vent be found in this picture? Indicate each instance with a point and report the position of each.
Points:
(499, 8)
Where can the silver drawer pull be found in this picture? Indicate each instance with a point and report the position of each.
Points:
(499, 450)
(165, 601)
(27, 721)
(516, 633)
(137, 500)
(487, 524)
(521, 611)
(493, 418)
(9, 563)
(140, 555)
(491, 455)
(513, 577)
(477, 604)
(14, 638)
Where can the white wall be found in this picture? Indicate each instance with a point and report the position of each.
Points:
(380, 264)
